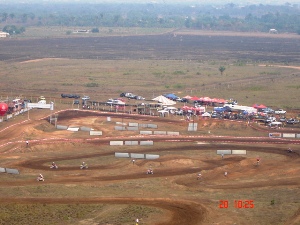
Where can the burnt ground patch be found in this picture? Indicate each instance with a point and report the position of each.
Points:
(160, 47)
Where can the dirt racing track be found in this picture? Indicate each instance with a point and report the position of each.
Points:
(179, 168)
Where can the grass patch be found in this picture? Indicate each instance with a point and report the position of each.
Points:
(45, 213)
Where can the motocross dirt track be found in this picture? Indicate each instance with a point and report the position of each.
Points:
(177, 211)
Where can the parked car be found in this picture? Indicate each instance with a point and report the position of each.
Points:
(282, 119)
(268, 110)
(280, 111)
(127, 95)
(84, 98)
(179, 112)
(184, 100)
(270, 120)
(137, 97)
(214, 115)
(76, 102)
(292, 121)
(70, 96)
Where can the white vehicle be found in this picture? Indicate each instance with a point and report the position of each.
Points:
(115, 102)
(84, 98)
(280, 111)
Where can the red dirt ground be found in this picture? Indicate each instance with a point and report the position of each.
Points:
(182, 210)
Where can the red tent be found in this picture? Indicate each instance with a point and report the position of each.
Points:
(256, 106)
(195, 98)
(206, 99)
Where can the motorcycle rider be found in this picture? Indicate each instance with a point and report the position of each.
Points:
(40, 178)
(53, 166)
(83, 166)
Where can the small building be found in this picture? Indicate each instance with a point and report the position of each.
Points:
(273, 31)
(3, 34)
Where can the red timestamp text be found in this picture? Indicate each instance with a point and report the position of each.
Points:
(239, 204)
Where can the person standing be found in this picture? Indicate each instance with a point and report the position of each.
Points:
(225, 174)
(137, 221)
(27, 143)
(257, 161)
(222, 155)
(199, 176)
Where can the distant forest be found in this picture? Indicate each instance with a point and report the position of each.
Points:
(229, 17)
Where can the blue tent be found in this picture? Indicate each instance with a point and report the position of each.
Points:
(171, 96)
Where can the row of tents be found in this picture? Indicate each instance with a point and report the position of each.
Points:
(169, 99)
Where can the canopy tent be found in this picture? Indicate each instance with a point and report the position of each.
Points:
(164, 100)
(259, 106)
(195, 98)
(171, 96)
(187, 97)
(206, 99)
(163, 112)
(218, 100)
(206, 114)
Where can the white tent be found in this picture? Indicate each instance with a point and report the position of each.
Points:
(206, 114)
(164, 100)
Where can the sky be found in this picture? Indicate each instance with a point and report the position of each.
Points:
(239, 2)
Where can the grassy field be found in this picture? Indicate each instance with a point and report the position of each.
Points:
(273, 86)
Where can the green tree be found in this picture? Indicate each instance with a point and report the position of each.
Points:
(222, 69)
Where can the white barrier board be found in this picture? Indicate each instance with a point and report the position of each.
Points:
(238, 152)
(40, 105)
(12, 171)
(150, 156)
(172, 133)
(122, 155)
(131, 142)
(146, 142)
(95, 132)
(133, 124)
(145, 132)
(287, 135)
(224, 152)
(73, 128)
(137, 156)
(116, 143)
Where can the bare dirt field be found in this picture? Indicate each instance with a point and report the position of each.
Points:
(116, 191)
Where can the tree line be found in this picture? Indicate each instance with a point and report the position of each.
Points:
(229, 17)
